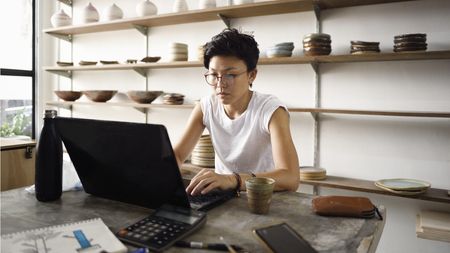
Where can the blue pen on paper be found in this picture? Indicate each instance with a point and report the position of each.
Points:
(141, 250)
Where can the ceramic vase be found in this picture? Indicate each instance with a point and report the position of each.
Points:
(146, 8)
(60, 18)
(236, 2)
(113, 12)
(180, 5)
(205, 4)
(89, 14)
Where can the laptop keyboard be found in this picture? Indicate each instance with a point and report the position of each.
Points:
(204, 202)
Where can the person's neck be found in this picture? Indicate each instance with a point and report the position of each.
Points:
(237, 109)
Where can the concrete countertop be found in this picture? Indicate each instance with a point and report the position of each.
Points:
(232, 220)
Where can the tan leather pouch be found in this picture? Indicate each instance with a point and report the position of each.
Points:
(346, 206)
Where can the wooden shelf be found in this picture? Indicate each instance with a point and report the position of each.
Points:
(193, 16)
(374, 113)
(141, 67)
(121, 104)
(225, 12)
(432, 194)
(428, 114)
(437, 195)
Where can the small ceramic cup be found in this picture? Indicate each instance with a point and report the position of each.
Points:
(259, 194)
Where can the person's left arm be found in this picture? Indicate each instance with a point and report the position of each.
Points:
(286, 172)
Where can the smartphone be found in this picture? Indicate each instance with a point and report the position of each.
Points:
(281, 238)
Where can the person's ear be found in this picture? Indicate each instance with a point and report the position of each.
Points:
(252, 75)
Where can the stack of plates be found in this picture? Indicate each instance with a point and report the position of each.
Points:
(403, 186)
(364, 47)
(200, 52)
(203, 153)
(280, 50)
(312, 173)
(317, 44)
(178, 52)
(410, 42)
(173, 99)
(433, 225)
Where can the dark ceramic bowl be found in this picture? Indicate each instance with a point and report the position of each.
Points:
(68, 95)
(99, 95)
(144, 97)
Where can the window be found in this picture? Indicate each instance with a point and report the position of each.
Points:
(17, 68)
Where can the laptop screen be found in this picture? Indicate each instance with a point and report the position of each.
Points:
(128, 162)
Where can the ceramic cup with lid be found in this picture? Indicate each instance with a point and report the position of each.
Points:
(112, 12)
(89, 14)
(180, 5)
(146, 8)
(205, 4)
(60, 18)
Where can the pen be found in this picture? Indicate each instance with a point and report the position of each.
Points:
(201, 245)
(141, 250)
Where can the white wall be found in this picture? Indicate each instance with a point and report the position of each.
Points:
(351, 146)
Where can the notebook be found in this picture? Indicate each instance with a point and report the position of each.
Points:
(128, 162)
(91, 236)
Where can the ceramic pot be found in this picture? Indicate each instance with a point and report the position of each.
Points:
(236, 2)
(60, 18)
(113, 12)
(205, 4)
(89, 14)
(146, 8)
(180, 5)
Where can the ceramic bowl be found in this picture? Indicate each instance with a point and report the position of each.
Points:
(68, 95)
(278, 53)
(99, 95)
(144, 97)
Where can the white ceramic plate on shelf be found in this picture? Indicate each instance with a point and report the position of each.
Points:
(402, 192)
(403, 184)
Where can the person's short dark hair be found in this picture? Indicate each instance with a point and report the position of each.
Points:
(231, 42)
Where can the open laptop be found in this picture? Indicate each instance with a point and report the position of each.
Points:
(129, 162)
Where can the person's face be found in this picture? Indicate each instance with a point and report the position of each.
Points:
(229, 78)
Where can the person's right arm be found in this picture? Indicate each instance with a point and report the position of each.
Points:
(191, 135)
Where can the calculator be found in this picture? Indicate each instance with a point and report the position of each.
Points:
(161, 229)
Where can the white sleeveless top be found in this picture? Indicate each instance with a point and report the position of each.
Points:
(243, 144)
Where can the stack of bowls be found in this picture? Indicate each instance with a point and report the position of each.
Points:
(178, 52)
(280, 50)
(144, 97)
(312, 173)
(200, 52)
(173, 99)
(410, 42)
(203, 153)
(364, 47)
(317, 44)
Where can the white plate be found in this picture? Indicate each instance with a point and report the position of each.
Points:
(402, 184)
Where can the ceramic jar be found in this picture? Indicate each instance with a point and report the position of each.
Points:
(180, 5)
(205, 4)
(60, 18)
(89, 14)
(236, 2)
(112, 12)
(146, 8)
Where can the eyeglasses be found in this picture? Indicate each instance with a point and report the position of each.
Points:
(228, 79)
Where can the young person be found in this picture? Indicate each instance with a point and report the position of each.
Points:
(249, 130)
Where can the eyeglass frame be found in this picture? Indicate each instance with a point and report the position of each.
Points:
(219, 78)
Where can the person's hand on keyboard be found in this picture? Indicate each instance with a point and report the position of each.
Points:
(207, 180)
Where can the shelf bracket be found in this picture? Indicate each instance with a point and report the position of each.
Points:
(141, 71)
(66, 73)
(317, 10)
(141, 109)
(315, 66)
(225, 19)
(66, 37)
(64, 106)
(315, 115)
(67, 2)
(142, 29)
